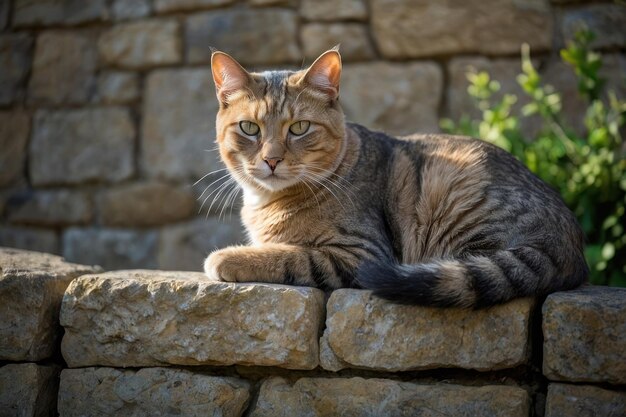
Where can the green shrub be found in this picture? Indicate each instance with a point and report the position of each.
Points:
(589, 170)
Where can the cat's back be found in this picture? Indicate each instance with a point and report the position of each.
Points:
(494, 164)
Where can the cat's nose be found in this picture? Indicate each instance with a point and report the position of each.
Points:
(272, 162)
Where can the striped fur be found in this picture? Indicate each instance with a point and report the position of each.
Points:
(428, 219)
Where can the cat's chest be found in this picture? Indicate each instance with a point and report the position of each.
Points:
(280, 226)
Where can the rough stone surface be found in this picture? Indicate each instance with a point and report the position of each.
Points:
(141, 44)
(77, 146)
(584, 400)
(397, 98)
(319, 37)
(14, 129)
(585, 335)
(31, 288)
(28, 390)
(111, 248)
(264, 3)
(366, 332)
(184, 246)
(63, 68)
(30, 238)
(421, 28)
(4, 13)
(130, 9)
(118, 87)
(325, 10)
(15, 61)
(145, 204)
(99, 392)
(54, 12)
(261, 36)
(179, 124)
(174, 5)
(606, 21)
(553, 72)
(50, 208)
(381, 397)
(147, 318)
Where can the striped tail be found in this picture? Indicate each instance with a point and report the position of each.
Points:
(473, 281)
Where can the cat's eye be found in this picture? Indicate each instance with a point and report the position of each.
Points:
(249, 128)
(299, 128)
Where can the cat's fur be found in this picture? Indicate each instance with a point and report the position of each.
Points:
(428, 219)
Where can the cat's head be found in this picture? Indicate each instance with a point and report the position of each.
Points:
(276, 129)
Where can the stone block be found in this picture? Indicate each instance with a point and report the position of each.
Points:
(553, 72)
(152, 318)
(28, 390)
(353, 37)
(397, 98)
(164, 6)
(178, 125)
(584, 334)
(584, 400)
(58, 54)
(58, 12)
(5, 8)
(423, 28)
(327, 10)
(261, 36)
(14, 130)
(382, 397)
(83, 145)
(15, 61)
(130, 9)
(265, 3)
(100, 392)
(50, 208)
(145, 204)
(604, 20)
(30, 238)
(141, 44)
(118, 87)
(111, 248)
(184, 246)
(503, 70)
(363, 331)
(31, 289)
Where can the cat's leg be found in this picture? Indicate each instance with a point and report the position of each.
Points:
(281, 264)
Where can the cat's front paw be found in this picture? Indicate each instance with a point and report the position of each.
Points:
(221, 265)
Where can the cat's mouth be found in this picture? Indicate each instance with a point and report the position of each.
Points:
(275, 181)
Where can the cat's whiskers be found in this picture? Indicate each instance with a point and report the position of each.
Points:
(209, 186)
(327, 171)
(340, 188)
(206, 175)
(227, 201)
(319, 207)
(227, 181)
(220, 187)
(312, 177)
(226, 186)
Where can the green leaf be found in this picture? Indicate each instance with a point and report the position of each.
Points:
(608, 251)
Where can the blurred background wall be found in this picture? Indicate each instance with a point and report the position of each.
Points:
(107, 107)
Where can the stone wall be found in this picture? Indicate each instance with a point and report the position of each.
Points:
(149, 342)
(107, 106)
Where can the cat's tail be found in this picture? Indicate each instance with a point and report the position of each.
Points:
(473, 281)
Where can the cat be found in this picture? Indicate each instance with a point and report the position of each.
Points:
(432, 219)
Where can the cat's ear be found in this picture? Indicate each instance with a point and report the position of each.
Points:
(324, 74)
(228, 75)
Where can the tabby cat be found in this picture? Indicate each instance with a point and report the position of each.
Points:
(428, 219)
